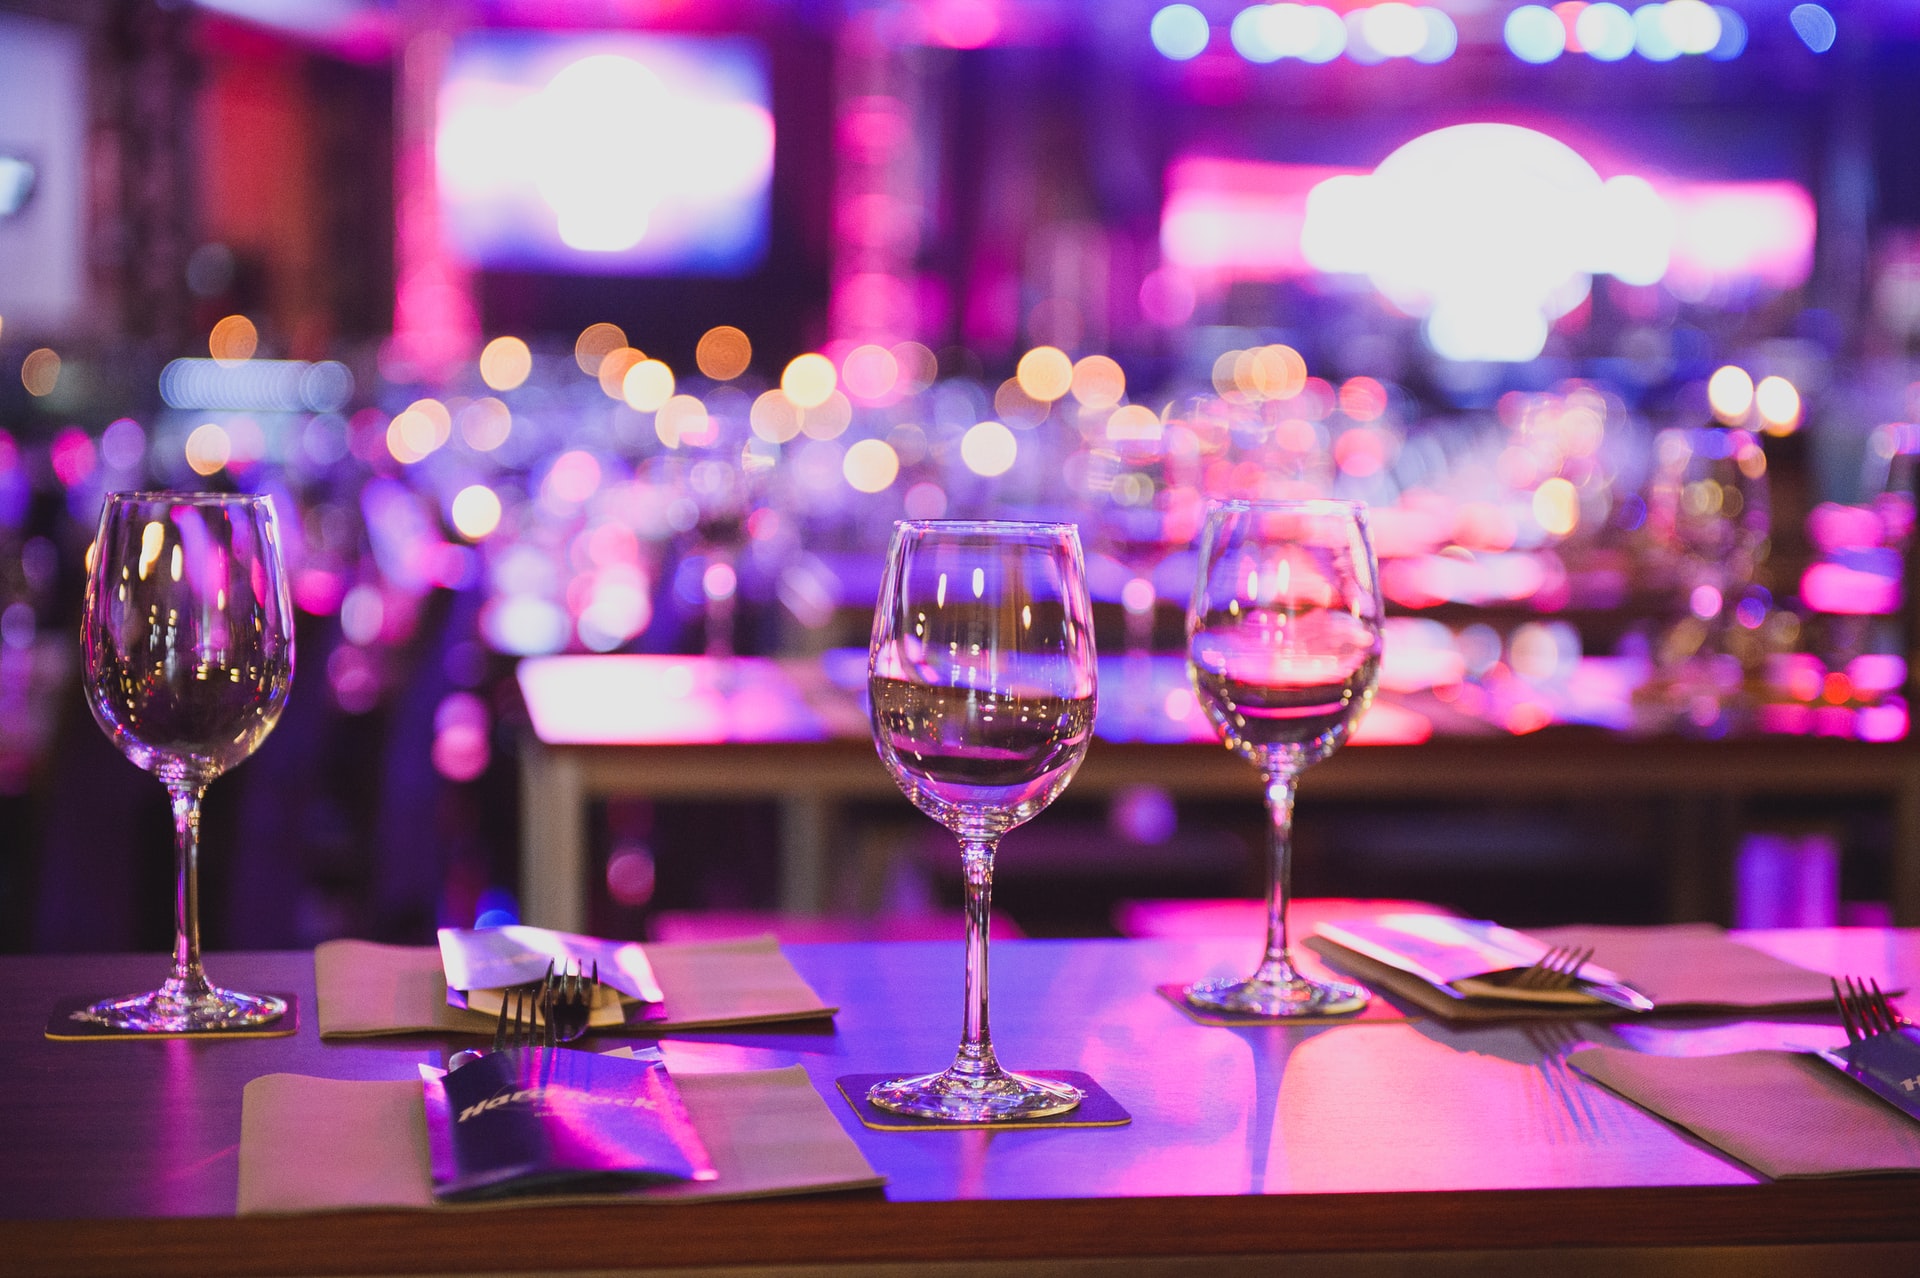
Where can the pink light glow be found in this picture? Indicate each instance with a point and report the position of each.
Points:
(1845, 591)
(649, 700)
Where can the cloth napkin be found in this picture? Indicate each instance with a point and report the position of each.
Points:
(1784, 1114)
(367, 989)
(1684, 966)
(322, 1144)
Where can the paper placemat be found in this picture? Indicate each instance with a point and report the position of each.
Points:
(1099, 1109)
(368, 989)
(1376, 1011)
(1693, 967)
(67, 1025)
(1784, 1114)
(321, 1144)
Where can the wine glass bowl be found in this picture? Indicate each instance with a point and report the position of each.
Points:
(187, 646)
(1283, 645)
(981, 678)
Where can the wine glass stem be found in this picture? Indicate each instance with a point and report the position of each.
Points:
(1277, 965)
(188, 980)
(975, 1058)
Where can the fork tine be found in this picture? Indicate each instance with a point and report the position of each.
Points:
(1846, 1013)
(500, 1026)
(1882, 1010)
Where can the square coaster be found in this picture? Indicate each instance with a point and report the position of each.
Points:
(1099, 1109)
(67, 1026)
(1377, 1010)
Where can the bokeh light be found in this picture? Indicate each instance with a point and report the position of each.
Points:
(869, 372)
(1535, 34)
(647, 385)
(595, 343)
(1730, 394)
(1815, 26)
(476, 512)
(233, 341)
(918, 367)
(809, 380)
(989, 449)
(774, 417)
(485, 424)
(870, 465)
(40, 372)
(505, 363)
(417, 431)
(723, 353)
(615, 366)
(1098, 382)
(208, 449)
(1556, 507)
(1179, 32)
(1044, 374)
(1777, 401)
(828, 419)
(684, 421)
(1604, 31)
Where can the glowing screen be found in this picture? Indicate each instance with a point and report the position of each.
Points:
(606, 154)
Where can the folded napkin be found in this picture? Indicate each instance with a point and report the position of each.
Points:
(1686, 966)
(1784, 1114)
(367, 989)
(323, 1144)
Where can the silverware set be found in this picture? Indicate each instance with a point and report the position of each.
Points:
(1557, 969)
(1865, 1011)
(543, 1013)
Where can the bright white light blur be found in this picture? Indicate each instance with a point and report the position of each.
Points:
(1815, 26)
(1329, 35)
(1252, 34)
(1691, 25)
(1556, 507)
(989, 449)
(1395, 30)
(476, 511)
(1179, 32)
(647, 385)
(1490, 231)
(1730, 394)
(1359, 48)
(719, 581)
(809, 379)
(1442, 37)
(1605, 31)
(1778, 404)
(870, 465)
(1535, 34)
(1650, 34)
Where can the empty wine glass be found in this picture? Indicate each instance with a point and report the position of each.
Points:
(981, 676)
(187, 637)
(1283, 643)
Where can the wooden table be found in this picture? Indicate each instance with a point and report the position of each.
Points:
(1340, 1147)
(663, 729)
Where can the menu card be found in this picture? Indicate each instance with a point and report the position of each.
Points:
(544, 1120)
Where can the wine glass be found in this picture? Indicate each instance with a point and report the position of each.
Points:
(981, 677)
(187, 636)
(1283, 643)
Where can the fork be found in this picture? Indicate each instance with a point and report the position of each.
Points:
(569, 1001)
(523, 1008)
(1864, 1010)
(1558, 968)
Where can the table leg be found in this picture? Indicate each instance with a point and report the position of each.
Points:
(553, 840)
(804, 822)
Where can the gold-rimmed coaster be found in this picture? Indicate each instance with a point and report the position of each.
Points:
(1099, 1109)
(69, 1024)
(1378, 1011)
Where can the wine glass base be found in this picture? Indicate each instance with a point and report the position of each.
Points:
(959, 1098)
(165, 1012)
(1295, 997)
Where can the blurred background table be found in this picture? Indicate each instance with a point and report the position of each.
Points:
(796, 731)
(1354, 1143)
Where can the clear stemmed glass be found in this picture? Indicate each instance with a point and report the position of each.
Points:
(187, 637)
(982, 681)
(1283, 643)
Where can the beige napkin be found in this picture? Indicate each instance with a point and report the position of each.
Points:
(1784, 1114)
(1693, 966)
(367, 989)
(323, 1144)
